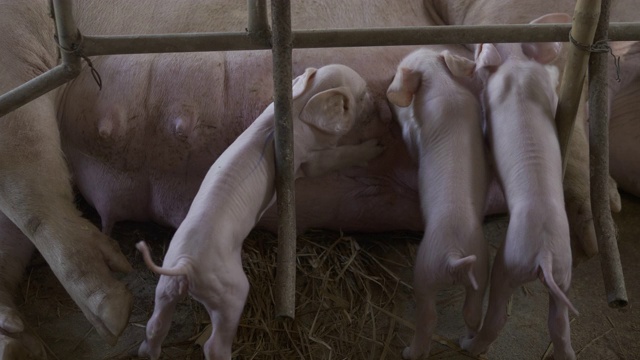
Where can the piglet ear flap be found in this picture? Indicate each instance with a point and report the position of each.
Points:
(487, 56)
(332, 111)
(404, 85)
(302, 82)
(546, 52)
(458, 65)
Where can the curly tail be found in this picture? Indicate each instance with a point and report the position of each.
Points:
(146, 255)
(554, 289)
(462, 269)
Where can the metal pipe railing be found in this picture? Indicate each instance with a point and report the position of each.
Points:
(599, 160)
(282, 78)
(68, 38)
(585, 20)
(258, 23)
(193, 42)
(423, 35)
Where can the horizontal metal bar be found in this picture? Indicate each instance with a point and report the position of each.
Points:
(624, 31)
(169, 43)
(192, 42)
(424, 35)
(36, 87)
(453, 34)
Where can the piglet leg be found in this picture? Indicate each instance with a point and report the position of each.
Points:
(170, 290)
(326, 161)
(472, 309)
(496, 316)
(559, 329)
(426, 320)
(426, 313)
(225, 310)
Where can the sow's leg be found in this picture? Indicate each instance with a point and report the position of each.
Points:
(35, 193)
(16, 343)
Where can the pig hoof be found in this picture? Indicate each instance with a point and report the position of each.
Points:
(25, 347)
(111, 313)
(10, 320)
(86, 276)
(614, 196)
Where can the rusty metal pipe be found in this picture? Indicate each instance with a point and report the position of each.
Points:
(282, 78)
(599, 159)
(585, 20)
(191, 42)
(423, 35)
(67, 35)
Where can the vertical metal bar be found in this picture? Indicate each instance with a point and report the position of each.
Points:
(585, 20)
(257, 16)
(599, 158)
(282, 69)
(68, 35)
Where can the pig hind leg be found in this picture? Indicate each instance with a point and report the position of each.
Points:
(15, 253)
(559, 328)
(472, 309)
(170, 290)
(426, 316)
(496, 316)
(225, 313)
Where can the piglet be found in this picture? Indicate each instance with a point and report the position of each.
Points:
(520, 102)
(441, 120)
(204, 258)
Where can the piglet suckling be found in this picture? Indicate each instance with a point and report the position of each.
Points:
(520, 101)
(204, 258)
(436, 103)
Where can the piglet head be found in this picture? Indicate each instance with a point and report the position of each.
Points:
(422, 67)
(333, 98)
(489, 57)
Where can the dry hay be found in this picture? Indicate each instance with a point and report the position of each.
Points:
(347, 296)
(354, 300)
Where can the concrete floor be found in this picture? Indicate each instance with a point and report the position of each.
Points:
(598, 333)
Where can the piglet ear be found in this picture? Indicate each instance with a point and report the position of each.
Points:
(487, 56)
(332, 111)
(458, 65)
(404, 85)
(302, 82)
(545, 53)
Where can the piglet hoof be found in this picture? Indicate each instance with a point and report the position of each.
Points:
(147, 353)
(406, 353)
(368, 150)
(472, 345)
(23, 347)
